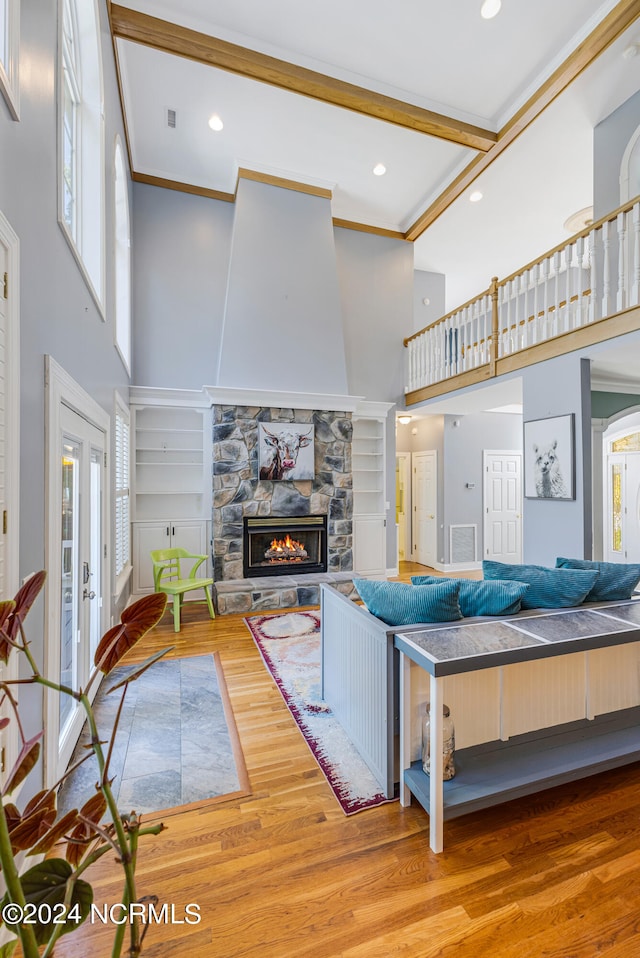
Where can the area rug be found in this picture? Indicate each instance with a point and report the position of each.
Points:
(290, 647)
(176, 744)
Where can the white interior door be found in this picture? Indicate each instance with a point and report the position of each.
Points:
(403, 504)
(81, 465)
(425, 501)
(502, 506)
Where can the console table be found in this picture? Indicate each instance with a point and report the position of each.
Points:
(499, 771)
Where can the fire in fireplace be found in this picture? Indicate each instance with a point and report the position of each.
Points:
(281, 546)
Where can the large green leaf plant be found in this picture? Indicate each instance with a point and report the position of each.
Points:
(53, 898)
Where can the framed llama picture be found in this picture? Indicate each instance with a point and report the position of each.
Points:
(285, 450)
(549, 458)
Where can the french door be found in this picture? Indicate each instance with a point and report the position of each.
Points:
(79, 575)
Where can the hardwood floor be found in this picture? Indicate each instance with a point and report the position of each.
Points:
(283, 873)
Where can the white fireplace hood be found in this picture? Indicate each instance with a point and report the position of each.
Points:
(282, 325)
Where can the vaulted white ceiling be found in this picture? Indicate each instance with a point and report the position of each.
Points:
(441, 57)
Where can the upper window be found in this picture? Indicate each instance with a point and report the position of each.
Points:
(9, 48)
(122, 258)
(81, 139)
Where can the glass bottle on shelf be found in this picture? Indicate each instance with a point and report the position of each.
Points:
(448, 743)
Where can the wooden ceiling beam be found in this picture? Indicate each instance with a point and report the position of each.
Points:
(608, 30)
(137, 27)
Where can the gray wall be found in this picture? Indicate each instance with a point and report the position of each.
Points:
(429, 286)
(610, 139)
(460, 449)
(57, 312)
(376, 294)
(181, 259)
(464, 445)
(559, 527)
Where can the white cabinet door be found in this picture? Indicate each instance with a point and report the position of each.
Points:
(189, 534)
(369, 545)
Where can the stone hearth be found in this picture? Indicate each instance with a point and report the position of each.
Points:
(278, 592)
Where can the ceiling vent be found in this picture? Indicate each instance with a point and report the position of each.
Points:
(171, 119)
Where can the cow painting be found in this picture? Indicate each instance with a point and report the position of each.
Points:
(286, 451)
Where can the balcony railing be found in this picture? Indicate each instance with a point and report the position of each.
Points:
(593, 276)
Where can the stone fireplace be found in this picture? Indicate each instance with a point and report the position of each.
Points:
(241, 501)
(284, 546)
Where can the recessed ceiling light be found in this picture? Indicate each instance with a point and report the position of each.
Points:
(476, 196)
(216, 123)
(490, 8)
(379, 169)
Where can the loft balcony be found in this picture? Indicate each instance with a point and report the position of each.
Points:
(582, 292)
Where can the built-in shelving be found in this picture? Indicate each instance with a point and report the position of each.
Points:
(369, 507)
(171, 481)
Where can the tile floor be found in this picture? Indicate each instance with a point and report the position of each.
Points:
(172, 745)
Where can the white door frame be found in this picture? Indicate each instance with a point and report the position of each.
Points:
(414, 533)
(11, 243)
(62, 390)
(485, 532)
(599, 459)
(403, 461)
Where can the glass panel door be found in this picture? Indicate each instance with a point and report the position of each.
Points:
(81, 568)
(69, 584)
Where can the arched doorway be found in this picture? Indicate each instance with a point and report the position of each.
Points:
(621, 487)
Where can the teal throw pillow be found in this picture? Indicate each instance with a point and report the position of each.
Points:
(548, 588)
(616, 580)
(398, 603)
(483, 596)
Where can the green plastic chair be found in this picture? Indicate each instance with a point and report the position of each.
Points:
(169, 568)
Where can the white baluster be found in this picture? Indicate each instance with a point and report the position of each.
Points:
(568, 262)
(464, 344)
(452, 345)
(545, 266)
(593, 296)
(513, 335)
(508, 342)
(536, 273)
(475, 332)
(580, 304)
(621, 293)
(606, 270)
(557, 323)
(635, 285)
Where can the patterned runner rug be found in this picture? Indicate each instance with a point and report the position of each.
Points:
(290, 647)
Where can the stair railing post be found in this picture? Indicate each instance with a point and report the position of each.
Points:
(495, 326)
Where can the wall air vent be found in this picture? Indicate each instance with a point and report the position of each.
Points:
(171, 119)
(462, 543)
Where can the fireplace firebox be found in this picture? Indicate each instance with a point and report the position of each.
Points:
(284, 545)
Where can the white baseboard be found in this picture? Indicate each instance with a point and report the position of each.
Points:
(457, 566)
(393, 573)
